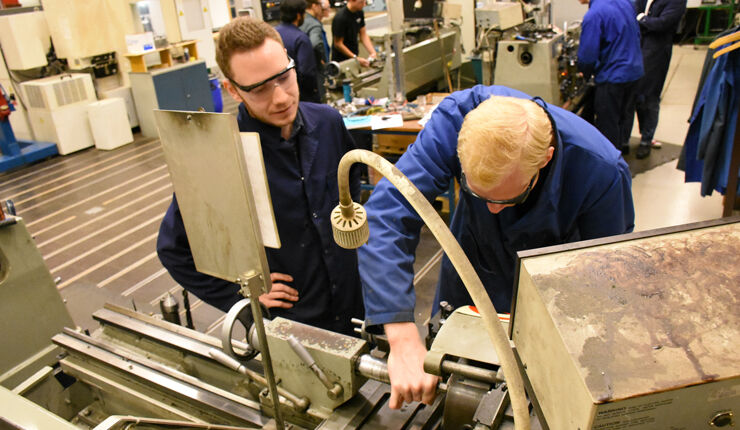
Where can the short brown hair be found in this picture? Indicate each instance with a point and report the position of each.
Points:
(242, 34)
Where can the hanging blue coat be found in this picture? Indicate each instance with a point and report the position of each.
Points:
(583, 193)
(708, 146)
(303, 188)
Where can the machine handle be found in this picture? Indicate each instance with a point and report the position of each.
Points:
(300, 403)
(377, 369)
(333, 389)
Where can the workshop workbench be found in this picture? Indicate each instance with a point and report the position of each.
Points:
(391, 143)
(138, 60)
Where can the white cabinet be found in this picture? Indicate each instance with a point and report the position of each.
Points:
(57, 110)
(109, 123)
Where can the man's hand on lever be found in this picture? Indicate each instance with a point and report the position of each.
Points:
(280, 295)
(409, 382)
(366, 62)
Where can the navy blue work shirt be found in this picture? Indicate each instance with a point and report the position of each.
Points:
(302, 176)
(300, 49)
(660, 24)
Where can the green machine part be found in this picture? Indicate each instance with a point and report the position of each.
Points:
(31, 307)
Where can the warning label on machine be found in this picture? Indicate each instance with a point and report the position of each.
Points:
(626, 417)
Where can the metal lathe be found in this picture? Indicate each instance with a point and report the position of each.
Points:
(637, 332)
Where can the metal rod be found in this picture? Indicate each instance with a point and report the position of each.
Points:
(188, 314)
(253, 284)
(116, 421)
(377, 369)
(469, 371)
(443, 57)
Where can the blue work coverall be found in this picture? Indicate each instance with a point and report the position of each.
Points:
(609, 49)
(583, 193)
(302, 177)
(300, 49)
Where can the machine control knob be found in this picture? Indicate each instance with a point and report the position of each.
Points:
(723, 419)
(526, 58)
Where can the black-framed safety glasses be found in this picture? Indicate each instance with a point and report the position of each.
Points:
(521, 198)
(282, 73)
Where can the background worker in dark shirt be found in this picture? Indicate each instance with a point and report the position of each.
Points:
(658, 20)
(348, 24)
(315, 12)
(298, 45)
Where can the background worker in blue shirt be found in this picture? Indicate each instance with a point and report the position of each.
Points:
(609, 50)
(314, 281)
(658, 20)
(298, 45)
(532, 175)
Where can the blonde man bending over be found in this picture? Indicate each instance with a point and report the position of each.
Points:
(531, 175)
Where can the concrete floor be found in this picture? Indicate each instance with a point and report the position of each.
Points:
(660, 195)
(95, 214)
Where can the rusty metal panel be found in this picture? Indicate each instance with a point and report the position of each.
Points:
(632, 319)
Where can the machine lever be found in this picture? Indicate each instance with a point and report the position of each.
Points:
(377, 369)
(300, 403)
(333, 389)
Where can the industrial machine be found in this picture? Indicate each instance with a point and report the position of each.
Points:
(637, 331)
(421, 63)
(573, 86)
(530, 55)
(530, 63)
(139, 371)
(270, 10)
(15, 152)
(415, 53)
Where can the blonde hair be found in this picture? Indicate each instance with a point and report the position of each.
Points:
(500, 134)
(239, 35)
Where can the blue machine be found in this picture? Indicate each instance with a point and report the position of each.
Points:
(13, 152)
